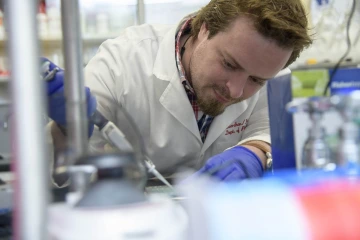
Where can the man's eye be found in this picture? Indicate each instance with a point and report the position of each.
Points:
(257, 81)
(228, 65)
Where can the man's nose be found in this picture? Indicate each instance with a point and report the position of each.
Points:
(236, 85)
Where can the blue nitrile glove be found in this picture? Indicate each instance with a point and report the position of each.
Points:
(234, 164)
(56, 97)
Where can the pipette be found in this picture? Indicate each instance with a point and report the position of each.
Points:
(151, 166)
(117, 138)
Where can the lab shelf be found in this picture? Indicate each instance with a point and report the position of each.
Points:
(57, 41)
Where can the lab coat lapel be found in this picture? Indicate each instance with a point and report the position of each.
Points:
(173, 98)
(220, 123)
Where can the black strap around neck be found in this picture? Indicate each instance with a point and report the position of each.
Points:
(183, 47)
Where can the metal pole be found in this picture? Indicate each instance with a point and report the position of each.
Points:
(77, 125)
(140, 12)
(28, 132)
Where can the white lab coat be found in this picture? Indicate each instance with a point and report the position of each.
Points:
(137, 71)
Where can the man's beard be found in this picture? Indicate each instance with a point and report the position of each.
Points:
(211, 106)
(207, 105)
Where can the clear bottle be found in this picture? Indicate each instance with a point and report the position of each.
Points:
(316, 152)
(348, 154)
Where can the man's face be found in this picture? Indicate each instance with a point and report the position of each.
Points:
(233, 65)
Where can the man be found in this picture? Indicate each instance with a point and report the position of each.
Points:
(197, 89)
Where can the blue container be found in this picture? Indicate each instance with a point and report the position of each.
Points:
(281, 123)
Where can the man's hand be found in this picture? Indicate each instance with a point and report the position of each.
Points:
(234, 164)
(56, 97)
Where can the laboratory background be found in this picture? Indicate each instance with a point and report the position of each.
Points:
(312, 190)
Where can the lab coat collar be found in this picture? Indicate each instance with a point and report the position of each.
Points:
(165, 62)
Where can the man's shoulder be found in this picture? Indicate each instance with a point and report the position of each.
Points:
(139, 46)
(145, 39)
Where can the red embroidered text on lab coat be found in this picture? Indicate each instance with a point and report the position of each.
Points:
(236, 127)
